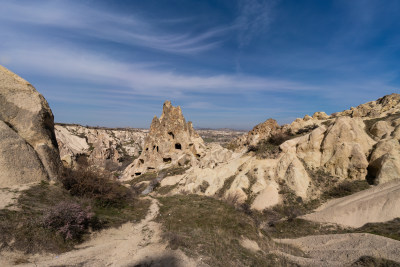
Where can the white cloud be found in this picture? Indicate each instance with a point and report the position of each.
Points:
(119, 28)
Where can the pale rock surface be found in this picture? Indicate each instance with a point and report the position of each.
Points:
(345, 149)
(103, 147)
(388, 104)
(385, 162)
(338, 147)
(268, 197)
(291, 170)
(320, 115)
(381, 129)
(377, 204)
(29, 147)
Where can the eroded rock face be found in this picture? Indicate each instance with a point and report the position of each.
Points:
(260, 131)
(171, 141)
(105, 148)
(321, 148)
(27, 125)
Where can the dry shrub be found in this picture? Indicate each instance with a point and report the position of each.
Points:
(96, 185)
(69, 219)
(232, 199)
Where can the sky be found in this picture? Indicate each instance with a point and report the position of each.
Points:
(227, 63)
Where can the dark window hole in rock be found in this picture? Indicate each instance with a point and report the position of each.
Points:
(166, 160)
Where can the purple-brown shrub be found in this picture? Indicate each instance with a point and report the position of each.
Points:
(69, 219)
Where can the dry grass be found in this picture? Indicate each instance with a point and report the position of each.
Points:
(368, 261)
(24, 229)
(227, 184)
(96, 185)
(210, 228)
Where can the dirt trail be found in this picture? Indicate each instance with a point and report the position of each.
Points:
(342, 249)
(129, 245)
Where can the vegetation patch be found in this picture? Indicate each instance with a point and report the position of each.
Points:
(269, 148)
(374, 262)
(148, 176)
(390, 229)
(346, 188)
(231, 146)
(204, 226)
(174, 170)
(250, 195)
(203, 187)
(51, 219)
(227, 184)
(298, 227)
(164, 190)
(96, 185)
(307, 129)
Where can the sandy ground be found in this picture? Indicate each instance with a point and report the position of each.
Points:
(9, 196)
(342, 249)
(378, 204)
(129, 245)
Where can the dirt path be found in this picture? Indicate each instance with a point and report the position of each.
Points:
(129, 245)
(342, 249)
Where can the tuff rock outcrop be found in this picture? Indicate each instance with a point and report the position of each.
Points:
(260, 131)
(111, 149)
(28, 145)
(171, 140)
(322, 150)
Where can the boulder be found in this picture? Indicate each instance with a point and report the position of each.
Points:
(25, 112)
(384, 163)
(381, 129)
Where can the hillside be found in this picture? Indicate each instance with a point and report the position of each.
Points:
(321, 191)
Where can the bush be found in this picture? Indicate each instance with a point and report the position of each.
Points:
(68, 219)
(279, 138)
(346, 188)
(96, 185)
(307, 129)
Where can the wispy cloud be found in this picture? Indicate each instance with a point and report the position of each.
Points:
(137, 78)
(130, 30)
(254, 18)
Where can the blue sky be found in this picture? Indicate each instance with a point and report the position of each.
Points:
(226, 63)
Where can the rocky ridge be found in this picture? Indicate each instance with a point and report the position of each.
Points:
(319, 152)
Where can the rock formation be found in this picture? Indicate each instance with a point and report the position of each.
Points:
(322, 150)
(171, 141)
(28, 145)
(260, 131)
(107, 148)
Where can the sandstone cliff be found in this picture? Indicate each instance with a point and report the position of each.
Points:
(28, 145)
